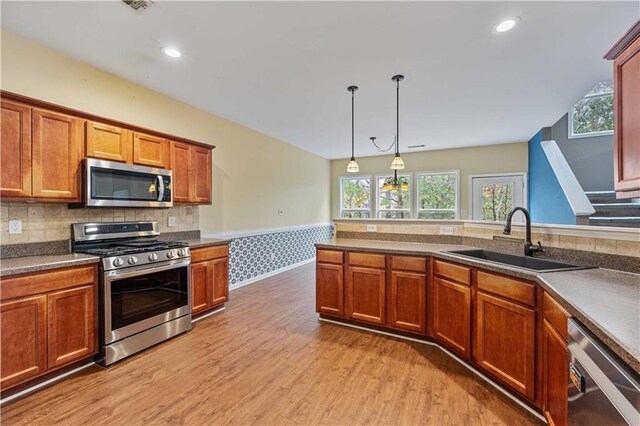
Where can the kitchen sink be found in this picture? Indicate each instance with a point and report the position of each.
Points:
(531, 263)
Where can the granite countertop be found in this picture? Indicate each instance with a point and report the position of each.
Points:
(607, 302)
(205, 242)
(23, 265)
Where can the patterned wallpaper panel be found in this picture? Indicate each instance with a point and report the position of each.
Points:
(254, 255)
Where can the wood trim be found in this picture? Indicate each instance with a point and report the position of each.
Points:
(509, 288)
(208, 253)
(329, 256)
(36, 103)
(46, 281)
(452, 271)
(625, 41)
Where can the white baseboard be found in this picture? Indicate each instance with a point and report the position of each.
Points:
(269, 274)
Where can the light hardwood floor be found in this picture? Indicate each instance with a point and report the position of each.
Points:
(268, 360)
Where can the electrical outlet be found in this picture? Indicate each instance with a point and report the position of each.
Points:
(372, 228)
(172, 221)
(446, 230)
(280, 212)
(15, 227)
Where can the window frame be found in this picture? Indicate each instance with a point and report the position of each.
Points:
(341, 179)
(570, 131)
(525, 191)
(376, 205)
(417, 210)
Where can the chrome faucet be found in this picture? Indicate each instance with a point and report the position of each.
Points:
(529, 248)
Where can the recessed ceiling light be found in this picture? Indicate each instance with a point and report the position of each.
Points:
(507, 25)
(170, 51)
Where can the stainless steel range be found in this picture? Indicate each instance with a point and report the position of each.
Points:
(145, 294)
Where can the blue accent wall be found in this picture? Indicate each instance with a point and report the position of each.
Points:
(547, 202)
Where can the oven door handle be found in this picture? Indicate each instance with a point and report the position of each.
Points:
(160, 187)
(145, 270)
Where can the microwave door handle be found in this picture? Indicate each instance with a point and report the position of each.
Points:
(160, 188)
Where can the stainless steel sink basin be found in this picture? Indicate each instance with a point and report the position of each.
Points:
(531, 263)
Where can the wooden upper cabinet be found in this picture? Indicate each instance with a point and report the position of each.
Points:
(57, 150)
(626, 95)
(15, 162)
(451, 315)
(108, 142)
(191, 166)
(408, 310)
(150, 151)
(505, 342)
(24, 339)
(329, 289)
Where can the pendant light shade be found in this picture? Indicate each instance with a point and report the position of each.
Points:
(397, 163)
(352, 167)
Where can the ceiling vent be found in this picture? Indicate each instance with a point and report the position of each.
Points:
(138, 5)
(415, 146)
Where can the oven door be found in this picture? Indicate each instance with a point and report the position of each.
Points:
(111, 184)
(144, 297)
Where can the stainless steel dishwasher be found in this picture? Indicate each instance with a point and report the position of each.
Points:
(602, 391)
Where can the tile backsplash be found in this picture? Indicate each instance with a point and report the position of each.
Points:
(52, 222)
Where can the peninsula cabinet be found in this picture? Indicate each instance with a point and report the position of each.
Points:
(408, 294)
(626, 108)
(48, 320)
(555, 359)
(191, 173)
(209, 278)
(329, 283)
(365, 287)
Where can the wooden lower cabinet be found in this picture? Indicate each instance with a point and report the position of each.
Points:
(48, 320)
(451, 309)
(506, 341)
(365, 298)
(408, 310)
(209, 278)
(555, 359)
(330, 289)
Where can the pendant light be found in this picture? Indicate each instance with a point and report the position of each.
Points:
(352, 167)
(397, 163)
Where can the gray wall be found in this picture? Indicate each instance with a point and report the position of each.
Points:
(591, 159)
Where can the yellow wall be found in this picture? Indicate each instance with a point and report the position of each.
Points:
(502, 158)
(253, 174)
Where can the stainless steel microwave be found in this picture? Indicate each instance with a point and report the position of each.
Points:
(113, 184)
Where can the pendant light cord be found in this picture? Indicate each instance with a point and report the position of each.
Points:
(397, 118)
(352, 123)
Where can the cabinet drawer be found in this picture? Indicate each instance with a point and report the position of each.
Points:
(509, 288)
(407, 263)
(556, 315)
(207, 253)
(367, 259)
(453, 272)
(330, 256)
(46, 281)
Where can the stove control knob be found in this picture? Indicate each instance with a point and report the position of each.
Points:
(118, 262)
(153, 257)
(133, 260)
(182, 252)
(170, 254)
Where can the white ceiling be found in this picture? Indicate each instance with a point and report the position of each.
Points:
(282, 68)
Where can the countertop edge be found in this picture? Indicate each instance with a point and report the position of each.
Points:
(19, 270)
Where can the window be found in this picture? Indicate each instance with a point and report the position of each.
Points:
(593, 114)
(437, 195)
(394, 203)
(493, 196)
(355, 197)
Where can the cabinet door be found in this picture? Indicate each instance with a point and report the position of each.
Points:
(72, 325)
(408, 301)
(181, 166)
(219, 281)
(329, 289)
(366, 294)
(56, 155)
(506, 342)
(200, 286)
(150, 150)
(627, 122)
(108, 142)
(452, 315)
(555, 360)
(201, 176)
(15, 140)
(24, 339)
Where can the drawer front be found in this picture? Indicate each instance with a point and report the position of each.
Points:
(453, 272)
(367, 259)
(46, 281)
(407, 263)
(330, 256)
(207, 253)
(509, 288)
(556, 315)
